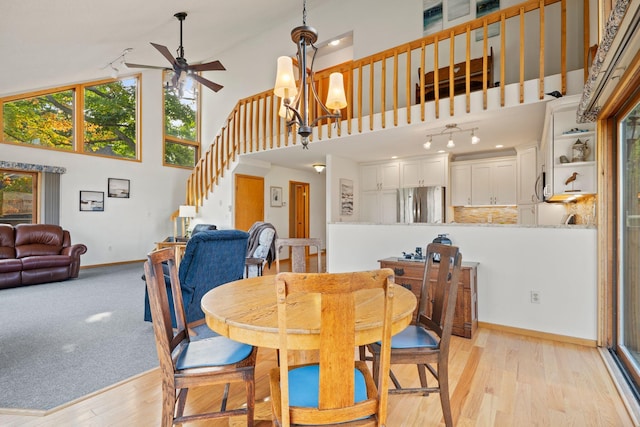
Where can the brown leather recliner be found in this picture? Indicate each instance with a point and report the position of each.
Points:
(37, 253)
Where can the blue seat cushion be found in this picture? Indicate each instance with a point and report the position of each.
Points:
(304, 386)
(414, 337)
(216, 351)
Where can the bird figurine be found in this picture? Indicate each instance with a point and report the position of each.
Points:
(571, 178)
(555, 94)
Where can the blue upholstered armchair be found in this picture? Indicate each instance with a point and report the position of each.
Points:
(211, 258)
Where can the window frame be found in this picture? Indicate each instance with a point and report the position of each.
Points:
(175, 140)
(78, 139)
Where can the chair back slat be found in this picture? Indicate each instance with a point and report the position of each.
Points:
(337, 332)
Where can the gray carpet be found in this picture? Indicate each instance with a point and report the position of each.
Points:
(61, 341)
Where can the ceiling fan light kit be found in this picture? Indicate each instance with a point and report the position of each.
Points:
(181, 67)
(295, 99)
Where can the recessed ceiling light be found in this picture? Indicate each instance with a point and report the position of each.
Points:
(441, 151)
(394, 157)
(499, 146)
(334, 42)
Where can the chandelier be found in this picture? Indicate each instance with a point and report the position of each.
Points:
(295, 100)
(451, 129)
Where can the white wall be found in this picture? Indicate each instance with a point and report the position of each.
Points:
(128, 228)
(560, 263)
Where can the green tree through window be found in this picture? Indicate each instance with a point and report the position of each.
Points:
(109, 123)
(181, 132)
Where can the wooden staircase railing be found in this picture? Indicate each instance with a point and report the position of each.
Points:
(254, 125)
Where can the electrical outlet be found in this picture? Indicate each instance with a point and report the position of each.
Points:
(535, 297)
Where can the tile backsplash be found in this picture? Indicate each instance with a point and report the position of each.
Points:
(584, 210)
(486, 214)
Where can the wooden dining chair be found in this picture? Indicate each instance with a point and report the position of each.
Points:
(187, 363)
(299, 251)
(426, 343)
(338, 389)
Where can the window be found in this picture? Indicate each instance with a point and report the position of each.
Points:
(18, 197)
(110, 125)
(109, 120)
(43, 120)
(181, 124)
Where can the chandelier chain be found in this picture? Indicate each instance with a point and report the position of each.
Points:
(304, 12)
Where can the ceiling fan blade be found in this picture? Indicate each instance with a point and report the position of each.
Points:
(207, 66)
(145, 66)
(165, 52)
(208, 83)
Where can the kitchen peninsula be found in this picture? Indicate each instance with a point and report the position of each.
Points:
(557, 262)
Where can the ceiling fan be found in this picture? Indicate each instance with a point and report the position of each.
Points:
(180, 66)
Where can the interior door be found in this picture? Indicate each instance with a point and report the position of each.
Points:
(249, 201)
(298, 209)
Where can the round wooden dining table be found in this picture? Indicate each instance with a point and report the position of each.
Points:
(246, 311)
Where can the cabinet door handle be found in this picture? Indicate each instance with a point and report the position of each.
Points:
(398, 271)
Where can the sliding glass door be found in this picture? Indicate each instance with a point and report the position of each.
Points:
(628, 295)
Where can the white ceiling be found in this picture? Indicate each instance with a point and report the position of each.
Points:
(56, 42)
(46, 43)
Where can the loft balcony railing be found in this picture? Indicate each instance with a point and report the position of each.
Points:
(383, 84)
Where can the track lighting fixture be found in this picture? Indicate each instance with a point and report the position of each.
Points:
(451, 129)
(115, 65)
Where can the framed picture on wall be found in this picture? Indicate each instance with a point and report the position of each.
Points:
(276, 197)
(118, 188)
(431, 16)
(346, 196)
(92, 201)
(485, 7)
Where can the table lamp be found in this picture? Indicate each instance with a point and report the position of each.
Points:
(187, 212)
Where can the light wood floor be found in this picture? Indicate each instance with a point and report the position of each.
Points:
(497, 379)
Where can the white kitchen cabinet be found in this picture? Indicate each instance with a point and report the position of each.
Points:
(460, 177)
(380, 176)
(493, 182)
(527, 214)
(527, 160)
(379, 206)
(379, 183)
(424, 172)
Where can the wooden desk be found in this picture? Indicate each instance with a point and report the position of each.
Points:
(246, 311)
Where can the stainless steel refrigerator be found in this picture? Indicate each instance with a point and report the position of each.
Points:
(421, 204)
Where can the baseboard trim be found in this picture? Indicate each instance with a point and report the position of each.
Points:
(537, 334)
(626, 395)
(111, 264)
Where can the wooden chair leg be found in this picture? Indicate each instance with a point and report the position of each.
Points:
(168, 405)
(422, 373)
(443, 383)
(251, 395)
